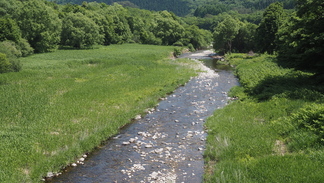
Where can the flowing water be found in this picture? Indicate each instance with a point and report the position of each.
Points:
(167, 144)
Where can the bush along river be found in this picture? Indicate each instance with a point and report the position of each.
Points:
(167, 144)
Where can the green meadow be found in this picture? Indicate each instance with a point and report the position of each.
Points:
(65, 103)
(274, 132)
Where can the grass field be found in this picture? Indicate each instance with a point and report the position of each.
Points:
(273, 133)
(65, 103)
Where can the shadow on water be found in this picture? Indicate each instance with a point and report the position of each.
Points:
(217, 65)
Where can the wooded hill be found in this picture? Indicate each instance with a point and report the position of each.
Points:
(185, 7)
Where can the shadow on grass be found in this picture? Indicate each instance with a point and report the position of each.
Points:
(293, 85)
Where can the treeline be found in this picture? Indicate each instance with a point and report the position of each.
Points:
(297, 38)
(179, 7)
(242, 7)
(198, 7)
(28, 26)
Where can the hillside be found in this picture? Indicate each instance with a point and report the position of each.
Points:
(185, 7)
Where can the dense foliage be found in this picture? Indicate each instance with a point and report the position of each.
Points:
(301, 39)
(42, 26)
(198, 7)
(225, 33)
(297, 37)
(268, 28)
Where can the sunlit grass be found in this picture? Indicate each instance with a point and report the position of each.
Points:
(63, 104)
(250, 140)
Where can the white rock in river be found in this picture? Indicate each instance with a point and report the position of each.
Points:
(158, 151)
(154, 175)
(132, 140)
(50, 174)
(137, 117)
(81, 159)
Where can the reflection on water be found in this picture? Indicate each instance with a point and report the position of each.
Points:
(216, 64)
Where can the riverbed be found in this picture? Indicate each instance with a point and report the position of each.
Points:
(168, 143)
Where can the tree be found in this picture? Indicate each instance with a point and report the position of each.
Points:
(9, 30)
(9, 7)
(244, 41)
(198, 38)
(79, 31)
(212, 9)
(224, 34)
(266, 32)
(168, 29)
(117, 30)
(301, 39)
(40, 25)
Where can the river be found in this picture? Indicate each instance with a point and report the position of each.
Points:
(167, 144)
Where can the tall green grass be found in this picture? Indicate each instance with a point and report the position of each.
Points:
(65, 103)
(273, 133)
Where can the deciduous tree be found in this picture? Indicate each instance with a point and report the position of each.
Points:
(167, 28)
(40, 25)
(244, 41)
(224, 34)
(9, 30)
(80, 31)
(266, 32)
(301, 39)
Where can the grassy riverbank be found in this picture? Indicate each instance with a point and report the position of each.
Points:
(65, 103)
(274, 132)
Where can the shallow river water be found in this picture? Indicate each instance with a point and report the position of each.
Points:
(167, 144)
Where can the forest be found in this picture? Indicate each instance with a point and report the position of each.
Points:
(37, 26)
(185, 7)
(296, 35)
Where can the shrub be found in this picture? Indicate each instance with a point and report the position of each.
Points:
(4, 63)
(191, 47)
(303, 129)
(177, 51)
(178, 43)
(10, 49)
(11, 52)
(312, 118)
(25, 48)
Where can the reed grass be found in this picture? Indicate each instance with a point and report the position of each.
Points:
(65, 103)
(256, 138)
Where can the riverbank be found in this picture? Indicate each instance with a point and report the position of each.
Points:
(167, 144)
(64, 104)
(272, 132)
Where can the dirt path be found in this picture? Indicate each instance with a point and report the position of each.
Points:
(167, 144)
